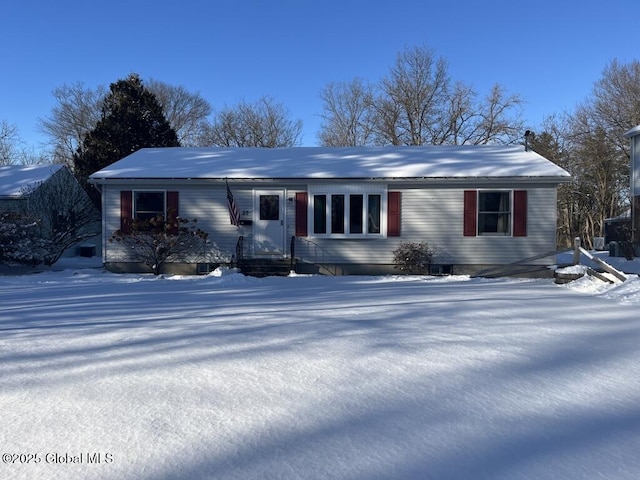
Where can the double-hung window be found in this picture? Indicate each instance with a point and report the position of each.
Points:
(148, 204)
(348, 212)
(494, 213)
(140, 206)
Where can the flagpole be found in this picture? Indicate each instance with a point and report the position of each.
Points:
(234, 212)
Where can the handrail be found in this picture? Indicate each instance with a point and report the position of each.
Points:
(323, 251)
(605, 266)
(292, 253)
(239, 250)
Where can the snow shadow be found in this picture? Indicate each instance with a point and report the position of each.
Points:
(310, 377)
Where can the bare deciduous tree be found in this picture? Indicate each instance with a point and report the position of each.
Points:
(601, 174)
(264, 123)
(501, 118)
(416, 89)
(64, 213)
(76, 112)
(416, 104)
(185, 111)
(13, 150)
(9, 143)
(31, 156)
(458, 125)
(615, 105)
(553, 143)
(598, 154)
(347, 116)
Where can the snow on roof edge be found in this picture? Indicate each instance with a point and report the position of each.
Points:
(429, 162)
(14, 179)
(632, 132)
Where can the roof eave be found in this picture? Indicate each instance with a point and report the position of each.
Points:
(466, 179)
(632, 132)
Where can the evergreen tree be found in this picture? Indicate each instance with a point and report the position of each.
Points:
(131, 119)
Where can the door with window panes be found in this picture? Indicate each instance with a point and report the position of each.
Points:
(268, 223)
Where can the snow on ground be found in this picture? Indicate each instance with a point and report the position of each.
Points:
(309, 377)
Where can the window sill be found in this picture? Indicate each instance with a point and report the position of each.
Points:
(349, 237)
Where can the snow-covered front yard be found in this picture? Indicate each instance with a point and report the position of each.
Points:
(106, 376)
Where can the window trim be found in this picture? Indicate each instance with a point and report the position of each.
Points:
(347, 190)
(480, 212)
(134, 202)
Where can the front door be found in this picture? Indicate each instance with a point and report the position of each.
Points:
(268, 223)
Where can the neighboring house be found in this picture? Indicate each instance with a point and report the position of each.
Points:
(634, 138)
(17, 182)
(28, 190)
(345, 210)
(618, 229)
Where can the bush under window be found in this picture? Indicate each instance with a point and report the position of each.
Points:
(413, 258)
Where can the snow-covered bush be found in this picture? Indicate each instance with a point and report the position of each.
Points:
(65, 212)
(157, 240)
(21, 241)
(413, 258)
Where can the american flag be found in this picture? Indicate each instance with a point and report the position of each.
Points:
(234, 213)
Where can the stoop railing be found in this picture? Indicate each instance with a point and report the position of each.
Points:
(239, 255)
(318, 255)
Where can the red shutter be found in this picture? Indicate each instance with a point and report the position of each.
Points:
(126, 210)
(470, 213)
(172, 212)
(393, 214)
(301, 214)
(520, 213)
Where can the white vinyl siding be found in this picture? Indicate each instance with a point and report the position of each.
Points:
(436, 216)
(432, 214)
(208, 205)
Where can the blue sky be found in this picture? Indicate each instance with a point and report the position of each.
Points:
(549, 52)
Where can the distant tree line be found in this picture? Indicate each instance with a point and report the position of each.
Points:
(415, 103)
(418, 103)
(589, 144)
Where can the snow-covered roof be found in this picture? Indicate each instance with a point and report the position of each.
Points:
(15, 179)
(624, 216)
(333, 163)
(633, 132)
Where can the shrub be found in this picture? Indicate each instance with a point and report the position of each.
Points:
(412, 258)
(65, 213)
(21, 242)
(157, 240)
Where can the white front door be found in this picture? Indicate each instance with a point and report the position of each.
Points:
(268, 223)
